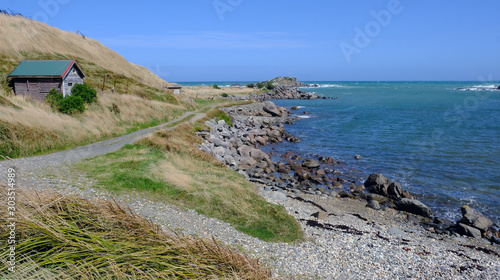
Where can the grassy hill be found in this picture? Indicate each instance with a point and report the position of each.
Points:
(28, 127)
(22, 37)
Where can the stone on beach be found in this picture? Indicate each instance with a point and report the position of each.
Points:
(472, 217)
(413, 206)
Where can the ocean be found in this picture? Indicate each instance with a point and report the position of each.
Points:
(441, 140)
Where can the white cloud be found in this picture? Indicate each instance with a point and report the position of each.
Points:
(212, 40)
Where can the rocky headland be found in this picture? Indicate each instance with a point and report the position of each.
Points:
(255, 125)
(279, 88)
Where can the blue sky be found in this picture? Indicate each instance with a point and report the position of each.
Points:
(244, 40)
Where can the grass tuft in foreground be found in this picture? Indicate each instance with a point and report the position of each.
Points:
(61, 237)
(168, 166)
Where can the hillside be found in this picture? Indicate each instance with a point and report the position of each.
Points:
(22, 37)
(28, 127)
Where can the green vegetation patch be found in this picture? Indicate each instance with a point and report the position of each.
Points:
(168, 166)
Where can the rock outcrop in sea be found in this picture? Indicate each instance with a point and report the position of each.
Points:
(279, 88)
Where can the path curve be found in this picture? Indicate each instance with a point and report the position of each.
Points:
(29, 164)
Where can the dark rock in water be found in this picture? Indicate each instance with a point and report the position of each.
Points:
(474, 218)
(328, 160)
(376, 179)
(394, 190)
(358, 157)
(498, 87)
(381, 189)
(271, 108)
(413, 206)
(295, 108)
(469, 231)
(373, 204)
(310, 163)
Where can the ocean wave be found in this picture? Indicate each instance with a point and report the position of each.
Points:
(480, 87)
(304, 116)
(326, 86)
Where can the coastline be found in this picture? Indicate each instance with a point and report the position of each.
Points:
(344, 214)
(256, 125)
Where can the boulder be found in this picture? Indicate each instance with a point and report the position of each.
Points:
(321, 172)
(310, 163)
(469, 231)
(247, 162)
(413, 206)
(381, 189)
(376, 179)
(328, 160)
(321, 215)
(373, 204)
(394, 190)
(472, 217)
(302, 175)
(244, 150)
(261, 140)
(271, 108)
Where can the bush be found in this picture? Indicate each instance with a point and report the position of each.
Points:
(224, 95)
(270, 85)
(88, 94)
(53, 98)
(250, 85)
(260, 85)
(216, 87)
(71, 104)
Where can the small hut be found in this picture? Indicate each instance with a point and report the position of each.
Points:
(176, 89)
(35, 78)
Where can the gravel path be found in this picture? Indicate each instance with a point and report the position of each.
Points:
(351, 242)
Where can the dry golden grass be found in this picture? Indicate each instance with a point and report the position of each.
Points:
(33, 127)
(23, 35)
(62, 237)
(208, 92)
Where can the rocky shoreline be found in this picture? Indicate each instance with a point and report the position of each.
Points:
(256, 125)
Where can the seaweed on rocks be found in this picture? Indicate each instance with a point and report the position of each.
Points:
(483, 250)
(327, 226)
(308, 201)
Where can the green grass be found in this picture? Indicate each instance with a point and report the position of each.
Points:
(169, 167)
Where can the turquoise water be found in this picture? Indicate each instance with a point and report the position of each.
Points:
(441, 143)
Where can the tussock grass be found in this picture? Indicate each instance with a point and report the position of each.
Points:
(168, 166)
(61, 237)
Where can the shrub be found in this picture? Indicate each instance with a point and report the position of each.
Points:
(53, 98)
(250, 85)
(216, 87)
(260, 85)
(224, 95)
(88, 94)
(269, 85)
(71, 104)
